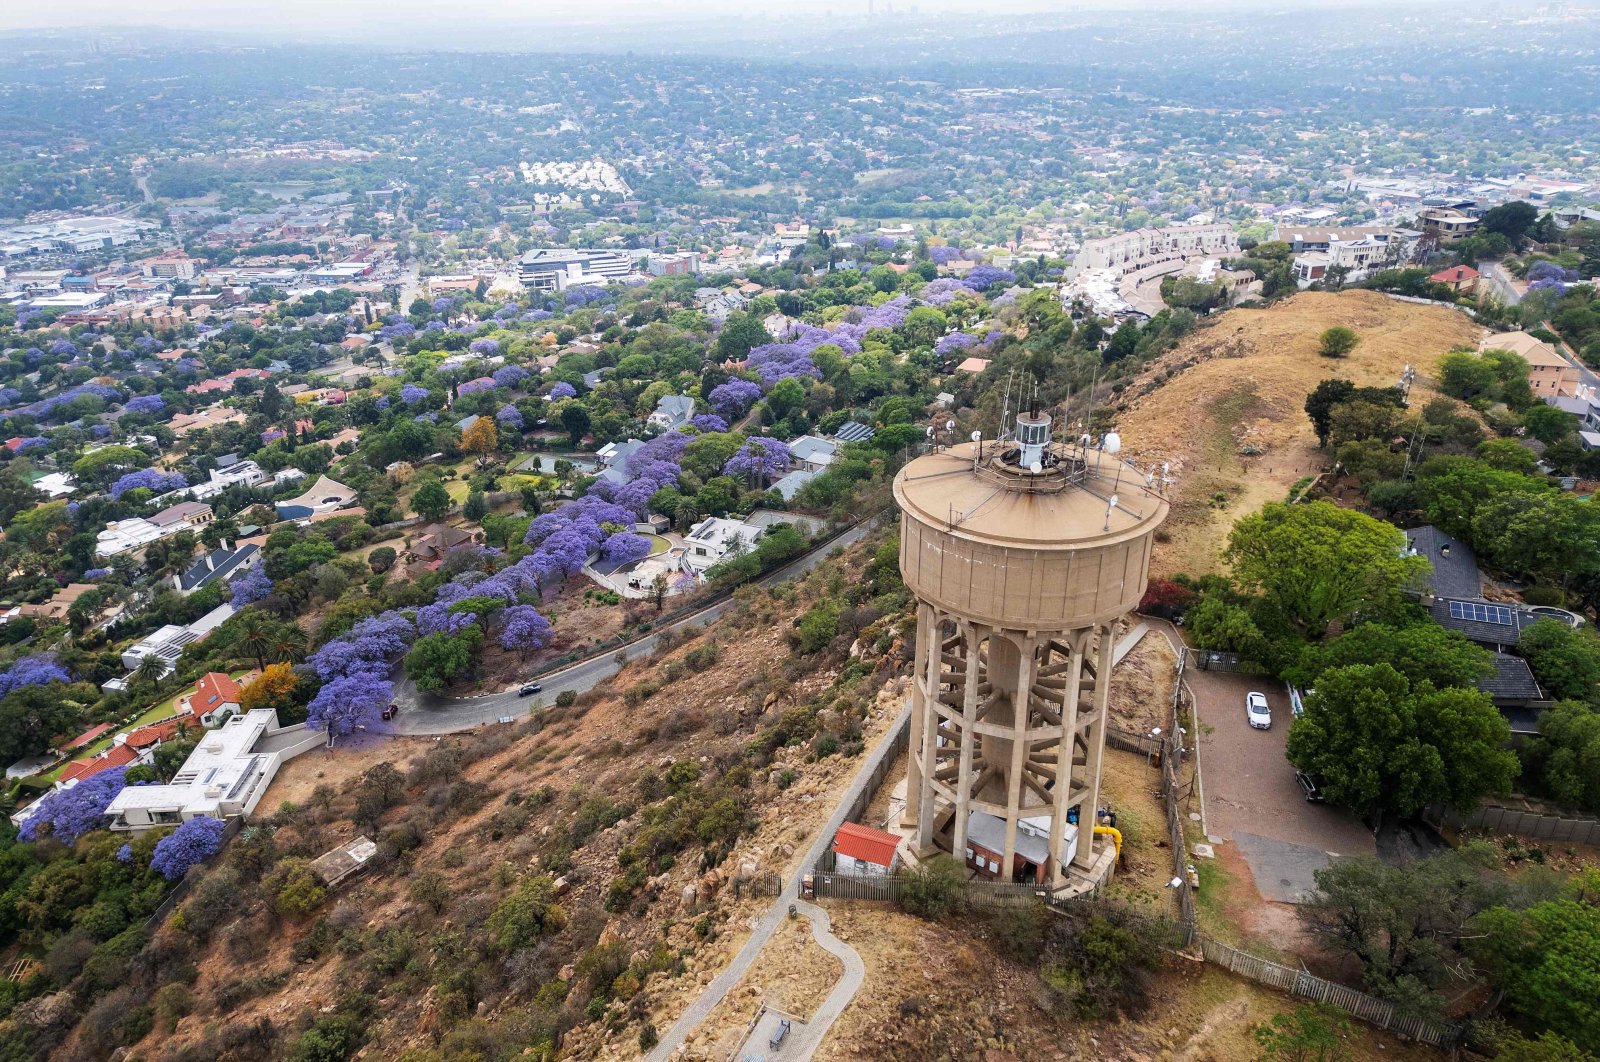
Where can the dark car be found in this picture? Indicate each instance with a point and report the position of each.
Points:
(391, 711)
(1310, 786)
(528, 689)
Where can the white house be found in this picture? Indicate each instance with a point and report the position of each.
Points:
(671, 411)
(224, 777)
(859, 849)
(717, 537)
(812, 453)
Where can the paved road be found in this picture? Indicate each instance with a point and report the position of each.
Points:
(1499, 282)
(425, 714)
(734, 972)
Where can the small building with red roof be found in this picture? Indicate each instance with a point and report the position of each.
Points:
(78, 770)
(861, 849)
(1461, 279)
(157, 733)
(88, 737)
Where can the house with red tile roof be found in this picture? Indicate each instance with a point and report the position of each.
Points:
(115, 756)
(214, 693)
(862, 850)
(157, 733)
(1460, 279)
(88, 737)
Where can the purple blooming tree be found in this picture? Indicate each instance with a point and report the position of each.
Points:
(67, 814)
(563, 390)
(145, 404)
(953, 342)
(93, 574)
(478, 386)
(507, 312)
(780, 361)
(625, 547)
(509, 417)
(523, 629)
(191, 844)
(487, 347)
(35, 670)
(510, 375)
(59, 347)
(709, 422)
(583, 295)
(943, 255)
(151, 479)
(349, 700)
(254, 585)
(32, 442)
(734, 398)
(759, 459)
(411, 394)
(984, 277)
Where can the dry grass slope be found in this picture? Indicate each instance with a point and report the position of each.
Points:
(1244, 381)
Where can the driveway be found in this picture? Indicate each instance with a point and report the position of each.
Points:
(1251, 796)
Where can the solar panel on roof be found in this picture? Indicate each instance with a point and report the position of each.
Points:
(1482, 612)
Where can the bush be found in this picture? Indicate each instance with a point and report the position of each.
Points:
(295, 889)
(935, 889)
(566, 698)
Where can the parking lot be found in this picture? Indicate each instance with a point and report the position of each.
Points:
(1251, 797)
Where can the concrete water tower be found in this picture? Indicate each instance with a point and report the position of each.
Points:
(1022, 553)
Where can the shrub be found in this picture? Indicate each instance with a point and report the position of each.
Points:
(934, 890)
(526, 915)
(295, 889)
(566, 698)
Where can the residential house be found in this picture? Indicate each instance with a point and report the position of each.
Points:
(1448, 224)
(811, 453)
(167, 643)
(715, 538)
(215, 695)
(135, 533)
(793, 482)
(614, 459)
(59, 605)
(1549, 374)
(852, 431)
(859, 849)
(146, 739)
(224, 777)
(237, 473)
(325, 496)
(671, 411)
(1461, 279)
(214, 417)
(426, 551)
(222, 563)
(111, 757)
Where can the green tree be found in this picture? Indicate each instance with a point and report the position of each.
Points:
(1320, 403)
(575, 421)
(1511, 220)
(1403, 922)
(1546, 960)
(741, 332)
(1423, 652)
(1548, 424)
(934, 889)
(382, 559)
(785, 399)
(477, 506)
(1508, 455)
(438, 659)
(1463, 374)
(1337, 342)
(1566, 757)
(432, 501)
(1384, 747)
(1565, 661)
(1318, 564)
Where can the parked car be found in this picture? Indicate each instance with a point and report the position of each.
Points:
(1309, 785)
(391, 711)
(1256, 710)
(528, 689)
(779, 1034)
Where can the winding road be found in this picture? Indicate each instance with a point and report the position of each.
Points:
(424, 714)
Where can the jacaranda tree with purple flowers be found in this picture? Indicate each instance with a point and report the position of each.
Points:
(191, 844)
(254, 585)
(734, 398)
(509, 418)
(510, 375)
(625, 547)
(145, 404)
(709, 422)
(153, 480)
(563, 390)
(487, 347)
(67, 814)
(984, 277)
(411, 394)
(523, 629)
(38, 670)
(758, 460)
(478, 386)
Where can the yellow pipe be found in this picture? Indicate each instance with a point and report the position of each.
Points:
(1114, 833)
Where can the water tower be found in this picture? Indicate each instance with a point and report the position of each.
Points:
(1022, 552)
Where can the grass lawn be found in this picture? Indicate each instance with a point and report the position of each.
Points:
(658, 544)
(159, 710)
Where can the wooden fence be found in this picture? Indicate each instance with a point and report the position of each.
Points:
(1527, 822)
(1354, 1002)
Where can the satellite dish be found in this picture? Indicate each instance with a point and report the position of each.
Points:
(949, 425)
(976, 436)
(1036, 467)
(1111, 443)
(929, 431)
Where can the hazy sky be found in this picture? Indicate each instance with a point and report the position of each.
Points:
(309, 17)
